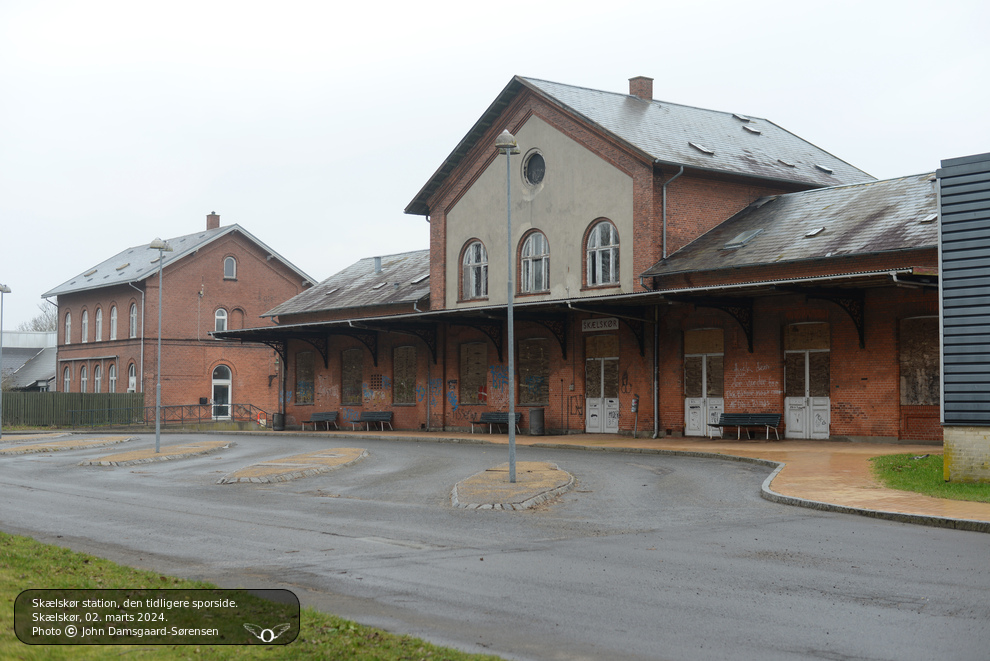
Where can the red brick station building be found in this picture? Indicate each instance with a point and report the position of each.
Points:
(216, 279)
(689, 261)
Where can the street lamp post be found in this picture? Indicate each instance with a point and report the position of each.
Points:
(4, 289)
(506, 144)
(162, 247)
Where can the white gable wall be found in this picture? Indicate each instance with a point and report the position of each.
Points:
(578, 188)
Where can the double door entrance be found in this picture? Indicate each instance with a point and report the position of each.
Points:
(807, 405)
(601, 384)
(704, 390)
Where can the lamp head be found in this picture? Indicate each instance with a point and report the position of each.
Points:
(506, 143)
(159, 244)
(4, 289)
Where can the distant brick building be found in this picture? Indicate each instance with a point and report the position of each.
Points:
(216, 279)
(701, 261)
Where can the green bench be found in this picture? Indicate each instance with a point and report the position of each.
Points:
(373, 417)
(491, 418)
(747, 421)
(327, 417)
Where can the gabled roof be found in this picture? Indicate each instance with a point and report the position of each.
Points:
(672, 134)
(39, 369)
(868, 218)
(403, 278)
(140, 262)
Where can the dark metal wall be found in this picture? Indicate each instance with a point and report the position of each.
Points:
(964, 252)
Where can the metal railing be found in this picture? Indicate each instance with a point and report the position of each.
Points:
(181, 414)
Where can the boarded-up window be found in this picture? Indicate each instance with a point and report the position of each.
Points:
(304, 377)
(534, 371)
(351, 375)
(799, 337)
(919, 361)
(704, 340)
(404, 375)
(474, 373)
(601, 346)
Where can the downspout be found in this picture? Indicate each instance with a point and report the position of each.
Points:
(142, 332)
(656, 367)
(664, 203)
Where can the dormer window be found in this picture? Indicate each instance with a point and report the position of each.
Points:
(229, 268)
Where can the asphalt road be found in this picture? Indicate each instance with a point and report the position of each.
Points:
(648, 557)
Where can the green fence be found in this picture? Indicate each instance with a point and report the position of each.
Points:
(54, 409)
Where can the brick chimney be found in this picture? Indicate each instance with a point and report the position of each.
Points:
(212, 221)
(642, 87)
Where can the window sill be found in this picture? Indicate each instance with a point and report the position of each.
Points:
(473, 300)
(610, 285)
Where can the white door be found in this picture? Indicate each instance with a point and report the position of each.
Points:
(221, 392)
(703, 393)
(601, 383)
(806, 394)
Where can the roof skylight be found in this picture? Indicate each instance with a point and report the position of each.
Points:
(814, 232)
(331, 291)
(123, 266)
(379, 285)
(741, 118)
(702, 148)
(823, 168)
(743, 238)
(418, 279)
(783, 162)
(89, 273)
(928, 219)
(752, 129)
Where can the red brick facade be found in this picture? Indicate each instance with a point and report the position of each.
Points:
(195, 288)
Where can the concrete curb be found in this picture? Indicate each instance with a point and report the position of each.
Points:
(60, 448)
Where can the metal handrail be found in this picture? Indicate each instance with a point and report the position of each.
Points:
(175, 414)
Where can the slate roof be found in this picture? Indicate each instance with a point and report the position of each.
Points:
(873, 217)
(670, 133)
(140, 262)
(38, 369)
(404, 278)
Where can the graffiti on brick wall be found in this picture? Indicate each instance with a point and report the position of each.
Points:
(326, 391)
(432, 390)
(349, 414)
(625, 385)
(575, 405)
(452, 394)
(377, 398)
(750, 385)
(499, 376)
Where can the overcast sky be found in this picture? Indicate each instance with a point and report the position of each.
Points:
(313, 124)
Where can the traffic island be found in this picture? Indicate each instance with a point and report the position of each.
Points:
(536, 482)
(300, 465)
(165, 454)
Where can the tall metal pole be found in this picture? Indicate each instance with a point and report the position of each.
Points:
(4, 289)
(506, 143)
(162, 247)
(158, 370)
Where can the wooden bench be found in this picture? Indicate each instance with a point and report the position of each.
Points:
(495, 418)
(747, 421)
(379, 417)
(328, 417)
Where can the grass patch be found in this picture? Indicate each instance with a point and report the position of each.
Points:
(924, 475)
(27, 564)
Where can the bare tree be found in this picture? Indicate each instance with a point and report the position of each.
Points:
(46, 321)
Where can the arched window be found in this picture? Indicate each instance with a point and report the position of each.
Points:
(83, 379)
(131, 378)
(84, 327)
(475, 271)
(98, 335)
(97, 378)
(113, 322)
(112, 378)
(66, 380)
(133, 331)
(535, 255)
(603, 254)
(229, 268)
(220, 320)
(68, 329)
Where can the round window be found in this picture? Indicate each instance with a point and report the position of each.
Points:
(534, 169)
